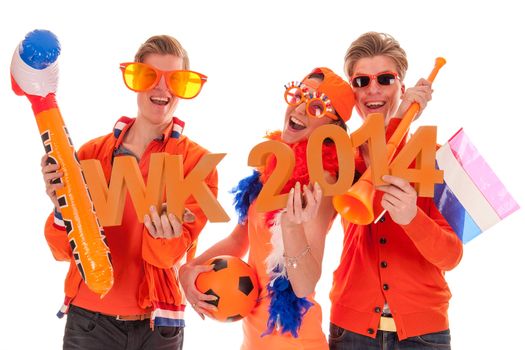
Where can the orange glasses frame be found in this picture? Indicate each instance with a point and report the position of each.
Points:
(309, 97)
(166, 75)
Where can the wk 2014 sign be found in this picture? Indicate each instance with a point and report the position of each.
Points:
(166, 178)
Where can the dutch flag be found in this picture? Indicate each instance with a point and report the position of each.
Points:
(472, 198)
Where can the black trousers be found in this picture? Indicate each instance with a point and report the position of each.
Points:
(89, 330)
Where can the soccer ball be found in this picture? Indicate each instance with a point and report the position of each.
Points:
(235, 285)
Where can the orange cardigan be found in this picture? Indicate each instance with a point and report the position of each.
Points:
(399, 265)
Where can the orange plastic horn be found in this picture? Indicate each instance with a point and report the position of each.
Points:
(356, 205)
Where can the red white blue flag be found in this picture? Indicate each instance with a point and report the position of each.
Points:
(472, 198)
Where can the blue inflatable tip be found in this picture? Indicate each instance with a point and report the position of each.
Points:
(40, 49)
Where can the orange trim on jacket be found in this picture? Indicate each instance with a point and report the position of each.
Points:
(399, 265)
(153, 259)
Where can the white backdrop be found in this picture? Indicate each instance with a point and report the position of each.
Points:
(249, 50)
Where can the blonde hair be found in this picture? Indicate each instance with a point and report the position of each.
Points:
(163, 45)
(376, 44)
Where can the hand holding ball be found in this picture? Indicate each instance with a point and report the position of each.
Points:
(235, 285)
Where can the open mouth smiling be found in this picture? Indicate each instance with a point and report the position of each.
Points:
(161, 101)
(296, 124)
(375, 104)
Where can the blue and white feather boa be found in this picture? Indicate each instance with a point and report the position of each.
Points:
(286, 310)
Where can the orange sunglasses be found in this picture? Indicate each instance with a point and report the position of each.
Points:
(318, 104)
(143, 77)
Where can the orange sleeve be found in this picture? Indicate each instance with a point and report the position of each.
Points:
(435, 239)
(164, 253)
(56, 238)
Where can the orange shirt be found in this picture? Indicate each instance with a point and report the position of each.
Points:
(311, 335)
(125, 243)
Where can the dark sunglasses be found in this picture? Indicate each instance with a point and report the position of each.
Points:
(363, 80)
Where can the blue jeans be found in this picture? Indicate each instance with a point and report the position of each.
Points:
(87, 330)
(342, 339)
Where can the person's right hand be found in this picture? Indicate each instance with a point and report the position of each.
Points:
(50, 173)
(166, 225)
(187, 275)
(301, 210)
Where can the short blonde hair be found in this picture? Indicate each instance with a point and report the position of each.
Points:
(376, 44)
(163, 45)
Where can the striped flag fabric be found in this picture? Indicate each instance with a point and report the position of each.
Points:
(472, 198)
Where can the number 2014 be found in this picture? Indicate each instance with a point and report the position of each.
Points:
(421, 149)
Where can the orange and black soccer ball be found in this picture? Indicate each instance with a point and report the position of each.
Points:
(235, 285)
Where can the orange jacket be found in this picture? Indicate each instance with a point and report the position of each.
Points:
(399, 265)
(131, 244)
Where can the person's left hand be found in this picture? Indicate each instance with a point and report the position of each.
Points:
(166, 225)
(299, 209)
(399, 199)
(421, 93)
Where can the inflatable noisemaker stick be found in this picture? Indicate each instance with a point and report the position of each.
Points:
(356, 205)
(34, 73)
